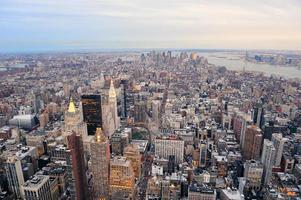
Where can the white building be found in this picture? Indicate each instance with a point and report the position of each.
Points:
(268, 160)
(278, 142)
(167, 146)
(37, 188)
(157, 170)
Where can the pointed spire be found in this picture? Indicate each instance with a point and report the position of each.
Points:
(71, 108)
(99, 136)
(112, 92)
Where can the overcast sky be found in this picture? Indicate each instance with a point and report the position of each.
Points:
(38, 25)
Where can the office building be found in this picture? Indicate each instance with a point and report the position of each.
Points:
(132, 153)
(111, 121)
(156, 112)
(73, 121)
(252, 143)
(253, 173)
(19, 167)
(278, 142)
(14, 176)
(100, 160)
(76, 173)
(268, 160)
(201, 192)
(37, 187)
(124, 102)
(203, 154)
(122, 178)
(113, 105)
(92, 112)
(170, 146)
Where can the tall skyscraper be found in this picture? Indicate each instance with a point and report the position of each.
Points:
(122, 178)
(111, 120)
(268, 160)
(73, 121)
(258, 115)
(113, 105)
(203, 154)
(76, 173)
(252, 143)
(92, 112)
(100, 159)
(14, 175)
(278, 142)
(124, 103)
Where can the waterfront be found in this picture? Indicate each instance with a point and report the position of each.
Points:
(235, 61)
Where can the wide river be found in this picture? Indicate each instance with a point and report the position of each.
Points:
(235, 61)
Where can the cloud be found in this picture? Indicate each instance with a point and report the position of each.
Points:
(143, 23)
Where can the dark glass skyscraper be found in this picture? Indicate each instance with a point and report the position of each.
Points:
(124, 87)
(92, 112)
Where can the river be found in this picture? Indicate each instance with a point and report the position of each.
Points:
(235, 61)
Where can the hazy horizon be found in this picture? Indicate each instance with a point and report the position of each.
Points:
(60, 26)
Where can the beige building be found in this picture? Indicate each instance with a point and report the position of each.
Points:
(132, 153)
(100, 160)
(122, 178)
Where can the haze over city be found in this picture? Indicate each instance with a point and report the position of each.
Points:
(52, 25)
(150, 100)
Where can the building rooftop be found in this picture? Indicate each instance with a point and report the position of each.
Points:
(35, 183)
(232, 194)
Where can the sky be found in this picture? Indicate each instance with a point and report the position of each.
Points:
(63, 25)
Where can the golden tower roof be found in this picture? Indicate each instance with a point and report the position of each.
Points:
(112, 92)
(71, 107)
(99, 136)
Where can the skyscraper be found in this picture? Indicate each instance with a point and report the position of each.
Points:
(14, 175)
(203, 154)
(278, 142)
(92, 112)
(113, 105)
(100, 159)
(76, 173)
(252, 143)
(268, 160)
(124, 104)
(73, 121)
(111, 120)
